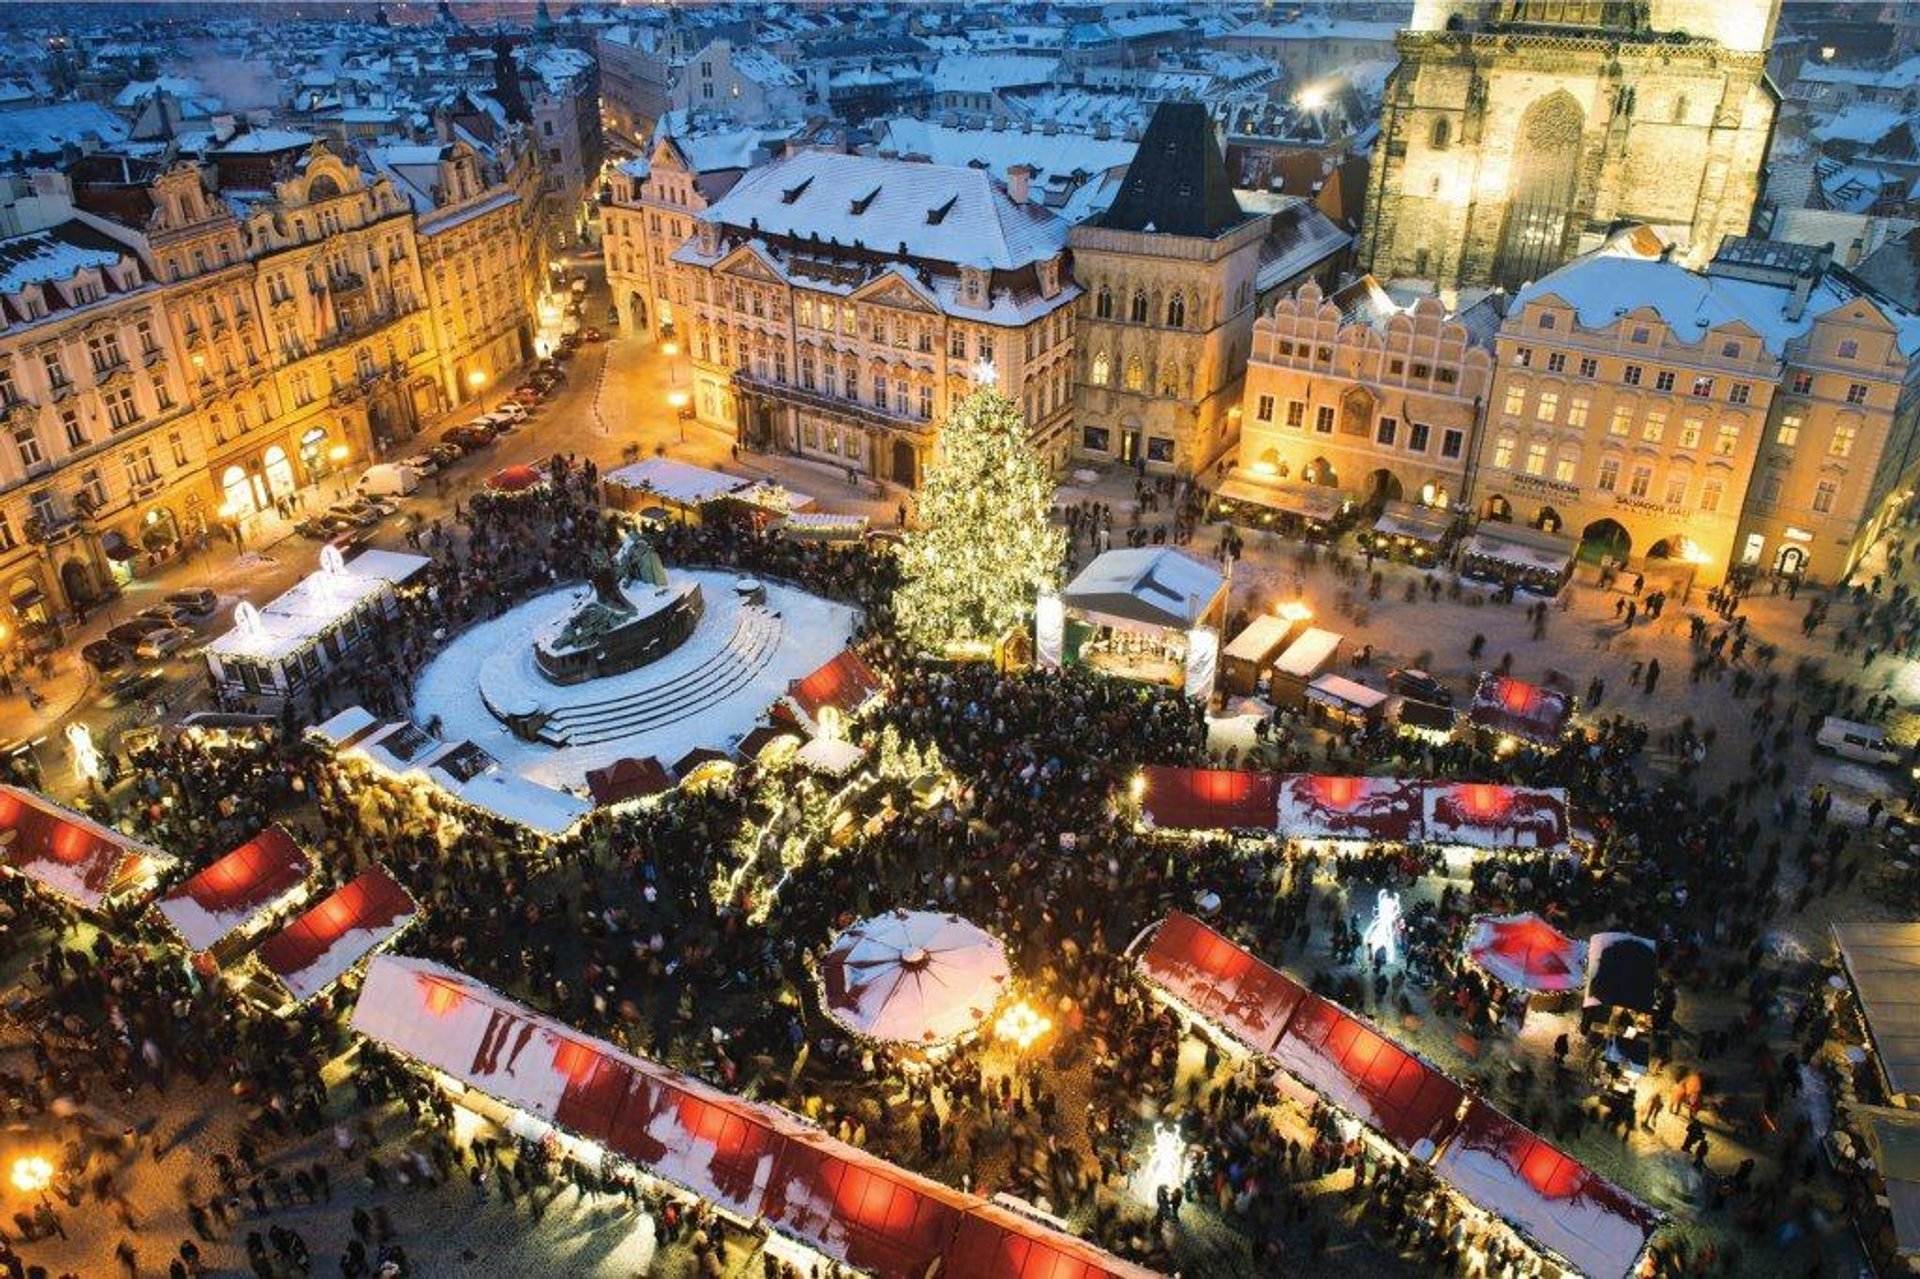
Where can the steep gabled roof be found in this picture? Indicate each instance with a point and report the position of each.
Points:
(1177, 183)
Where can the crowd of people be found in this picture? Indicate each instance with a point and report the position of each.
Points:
(619, 928)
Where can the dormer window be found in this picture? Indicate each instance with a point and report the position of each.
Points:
(973, 285)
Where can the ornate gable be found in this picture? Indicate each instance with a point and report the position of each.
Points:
(893, 290)
(747, 263)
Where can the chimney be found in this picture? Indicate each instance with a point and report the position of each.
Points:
(1018, 178)
(1802, 289)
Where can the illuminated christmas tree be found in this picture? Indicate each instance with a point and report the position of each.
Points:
(986, 544)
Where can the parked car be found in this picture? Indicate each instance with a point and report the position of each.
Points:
(423, 465)
(1862, 743)
(163, 643)
(1420, 686)
(133, 686)
(168, 614)
(130, 632)
(105, 655)
(469, 438)
(199, 603)
(498, 423)
(512, 410)
(323, 527)
(361, 513)
(528, 394)
(445, 454)
(593, 335)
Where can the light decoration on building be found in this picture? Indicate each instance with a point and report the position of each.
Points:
(1021, 1025)
(984, 545)
(1167, 1161)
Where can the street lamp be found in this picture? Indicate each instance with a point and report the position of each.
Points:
(476, 379)
(32, 1174)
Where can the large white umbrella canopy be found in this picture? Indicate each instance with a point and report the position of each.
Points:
(913, 977)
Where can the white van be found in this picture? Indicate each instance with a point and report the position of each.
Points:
(1863, 743)
(388, 479)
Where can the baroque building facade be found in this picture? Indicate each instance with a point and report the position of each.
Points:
(839, 305)
(1516, 133)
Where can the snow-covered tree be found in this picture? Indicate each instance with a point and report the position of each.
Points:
(986, 544)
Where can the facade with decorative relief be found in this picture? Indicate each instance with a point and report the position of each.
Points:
(1169, 271)
(100, 461)
(1629, 402)
(839, 305)
(1516, 133)
(1355, 392)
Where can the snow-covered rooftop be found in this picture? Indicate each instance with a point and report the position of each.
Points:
(939, 212)
(316, 603)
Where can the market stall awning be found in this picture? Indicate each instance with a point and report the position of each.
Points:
(1427, 524)
(1155, 586)
(1503, 704)
(1883, 963)
(1221, 982)
(1312, 806)
(1552, 1199)
(1492, 815)
(1519, 547)
(1893, 1138)
(753, 1159)
(913, 977)
(1363, 1072)
(326, 942)
(1346, 695)
(1206, 798)
(1320, 503)
(1623, 971)
(73, 856)
(516, 479)
(845, 685)
(252, 880)
(626, 779)
(1526, 952)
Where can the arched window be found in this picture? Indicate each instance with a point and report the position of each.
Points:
(1102, 369)
(1169, 378)
(1136, 374)
(1177, 311)
(1442, 135)
(1103, 303)
(1137, 309)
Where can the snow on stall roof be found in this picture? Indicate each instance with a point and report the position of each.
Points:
(316, 602)
(816, 192)
(70, 854)
(752, 1158)
(676, 481)
(325, 942)
(248, 882)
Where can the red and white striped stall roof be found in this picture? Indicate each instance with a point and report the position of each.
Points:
(326, 942)
(755, 1160)
(248, 882)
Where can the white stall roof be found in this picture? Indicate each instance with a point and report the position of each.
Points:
(1341, 691)
(1883, 962)
(1308, 654)
(680, 482)
(1150, 585)
(1522, 547)
(1263, 634)
(314, 604)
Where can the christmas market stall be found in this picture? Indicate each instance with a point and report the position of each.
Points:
(689, 494)
(74, 857)
(1410, 532)
(1484, 816)
(1551, 1199)
(918, 979)
(1200, 799)
(1517, 557)
(1407, 1107)
(1340, 702)
(1882, 966)
(1302, 662)
(1285, 506)
(1150, 613)
(841, 690)
(1525, 952)
(222, 906)
(1248, 658)
(763, 1167)
(1876, 1150)
(406, 755)
(341, 932)
(285, 646)
(1365, 810)
(1512, 708)
(627, 780)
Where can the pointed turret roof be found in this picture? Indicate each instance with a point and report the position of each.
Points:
(1177, 183)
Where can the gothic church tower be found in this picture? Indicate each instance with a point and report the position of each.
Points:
(1516, 132)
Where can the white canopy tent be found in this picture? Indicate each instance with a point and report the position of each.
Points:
(1147, 588)
(914, 977)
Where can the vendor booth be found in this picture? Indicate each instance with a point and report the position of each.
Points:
(233, 897)
(1514, 708)
(661, 488)
(1286, 506)
(1878, 1152)
(1345, 703)
(1221, 983)
(751, 1160)
(74, 857)
(1246, 662)
(1304, 661)
(1525, 952)
(1410, 533)
(1205, 798)
(1514, 555)
(1349, 809)
(1882, 963)
(285, 646)
(1150, 613)
(310, 955)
